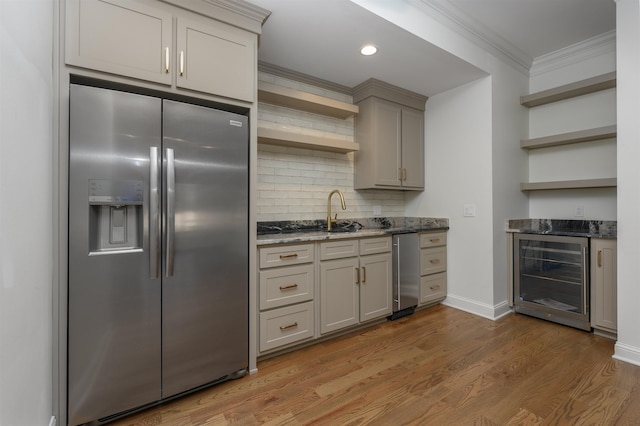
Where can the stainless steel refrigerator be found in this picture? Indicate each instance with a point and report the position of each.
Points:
(158, 250)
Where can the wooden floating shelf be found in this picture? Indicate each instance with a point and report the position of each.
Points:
(606, 132)
(569, 184)
(303, 101)
(298, 140)
(579, 88)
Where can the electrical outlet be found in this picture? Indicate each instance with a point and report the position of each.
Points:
(377, 210)
(469, 210)
(579, 211)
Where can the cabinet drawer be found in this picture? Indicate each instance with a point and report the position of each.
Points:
(433, 239)
(375, 245)
(286, 325)
(285, 255)
(285, 286)
(338, 249)
(433, 260)
(433, 287)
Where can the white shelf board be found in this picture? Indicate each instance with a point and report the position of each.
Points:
(303, 101)
(599, 133)
(569, 184)
(300, 140)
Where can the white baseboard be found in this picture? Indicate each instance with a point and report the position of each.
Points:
(627, 353)
(53, 421)
(494, 312)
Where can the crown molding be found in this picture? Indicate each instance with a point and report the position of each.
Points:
(578, 52)
(239, 13)
(303, 78)
(456, 20)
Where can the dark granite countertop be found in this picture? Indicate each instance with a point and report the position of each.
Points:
(282, 232)
(565, 227)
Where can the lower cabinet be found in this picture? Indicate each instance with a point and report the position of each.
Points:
(355, 282)
(286, 286)
(433, 267)
(604, 313)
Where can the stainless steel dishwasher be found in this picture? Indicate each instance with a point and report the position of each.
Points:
(406, 274)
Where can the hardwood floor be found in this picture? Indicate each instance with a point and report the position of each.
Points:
(440, 366)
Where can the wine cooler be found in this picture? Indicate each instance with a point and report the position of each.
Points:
(551, 279)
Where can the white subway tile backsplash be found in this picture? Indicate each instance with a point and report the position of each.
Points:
(293, 183)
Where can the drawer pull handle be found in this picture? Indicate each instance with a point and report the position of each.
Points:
(357, 275)
(364, 275)
(599, 258)
(289, 256)
(288, 287)
(435, 261)
(166, 60)
(435, 287)
(434, 240)
(287, 327)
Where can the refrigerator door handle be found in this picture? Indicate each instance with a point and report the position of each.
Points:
(171, 210)
(154, 214)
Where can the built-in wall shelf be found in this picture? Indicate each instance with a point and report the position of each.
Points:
(303, 101)
(579, 88)
(599, 133)
(569, 184)
(301, 140)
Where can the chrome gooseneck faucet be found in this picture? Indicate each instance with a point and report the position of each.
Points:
(344, 207)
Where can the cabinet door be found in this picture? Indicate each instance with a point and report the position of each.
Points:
(338, 294)
(120, 37)
(375, 286)
(604, 313)
(388, 128)
(413, 148)
(216, 59)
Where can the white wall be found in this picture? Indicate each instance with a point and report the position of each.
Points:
(509, 167)
(458, 166)
(628, 69)
(596, 159)
(25, 212)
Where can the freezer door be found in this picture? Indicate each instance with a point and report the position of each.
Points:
(114, 305)
(205, 250)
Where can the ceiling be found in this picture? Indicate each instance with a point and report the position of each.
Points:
(322, 38)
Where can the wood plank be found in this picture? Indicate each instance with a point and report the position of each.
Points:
(599, 133)
(299, 140)
(437, 366)
(303, 101)
(569, 184)
(567, 91)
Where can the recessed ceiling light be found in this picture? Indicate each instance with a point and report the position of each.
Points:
(368, 50)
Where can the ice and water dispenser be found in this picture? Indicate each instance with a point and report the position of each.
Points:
(116, 215)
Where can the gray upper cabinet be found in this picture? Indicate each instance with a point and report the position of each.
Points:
(121, 37)
(138, 40)
(216, 59)
(390, 132)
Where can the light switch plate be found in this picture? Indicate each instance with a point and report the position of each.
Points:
(377, 210)
(469, 210)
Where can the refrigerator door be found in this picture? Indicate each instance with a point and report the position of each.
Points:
(114, 305)
(205, 250)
